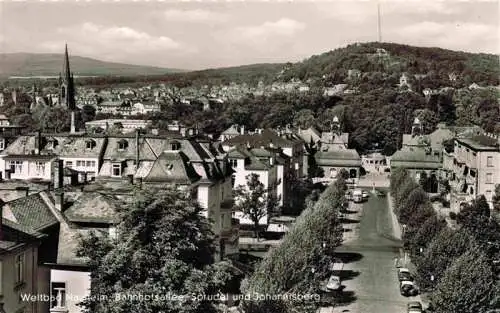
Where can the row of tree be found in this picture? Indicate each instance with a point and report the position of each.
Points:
(457, 265)
(301, 263)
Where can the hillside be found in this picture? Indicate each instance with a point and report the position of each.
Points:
(390, 58)
(30, 64)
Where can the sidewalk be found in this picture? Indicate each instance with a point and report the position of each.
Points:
(406, 262)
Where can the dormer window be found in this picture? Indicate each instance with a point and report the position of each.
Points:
(90, 144)
(175, 146)
(122, 145)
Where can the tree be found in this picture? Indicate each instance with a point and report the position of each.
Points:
(163, 246)
(424, 181)
(496, 199)
(469, 285)
(287, 268)
(443, 250)
(88, 113)
(416, 200)
(254, 200)
(303, 119)
(426, 233)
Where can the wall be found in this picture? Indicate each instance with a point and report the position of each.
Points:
(29, 170)
(77, 287)
(10, 294)
(84, 168)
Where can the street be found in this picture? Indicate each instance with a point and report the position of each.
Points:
(370, 279)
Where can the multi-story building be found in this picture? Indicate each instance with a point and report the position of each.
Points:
(124, 124)
(262, 162)
(20, 274)
(474, 168)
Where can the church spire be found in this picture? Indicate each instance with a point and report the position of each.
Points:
(66, 70)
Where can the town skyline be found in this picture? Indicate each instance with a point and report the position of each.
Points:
(196, 36)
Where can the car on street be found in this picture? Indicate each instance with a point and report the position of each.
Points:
(380, 193)
(357, 195)
(333, 283)
(404, 274)
(414, 307)
(364, 194)
(408, 288)
(348, 195)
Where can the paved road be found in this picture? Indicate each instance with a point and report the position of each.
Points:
(371, 284)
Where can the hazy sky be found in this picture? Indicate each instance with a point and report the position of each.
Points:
(202, 34)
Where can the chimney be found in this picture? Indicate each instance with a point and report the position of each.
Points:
(38, 142)
(242, 129)
(137, 156)
(73, 126)
(58, 184)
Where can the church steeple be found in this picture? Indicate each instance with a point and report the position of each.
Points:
(335, 126)
(416, 129)
(66, 84)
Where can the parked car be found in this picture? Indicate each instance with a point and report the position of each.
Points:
(415, 307)
(333, 283)
(357, 195)
(408, 288)
(365, 194)
(380, 193)
(348, 195)
(404, 274)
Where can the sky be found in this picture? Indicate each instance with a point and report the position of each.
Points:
(208, 34)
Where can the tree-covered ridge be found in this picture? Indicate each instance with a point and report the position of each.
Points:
(390, 58)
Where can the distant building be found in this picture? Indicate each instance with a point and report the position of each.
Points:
(125, 124)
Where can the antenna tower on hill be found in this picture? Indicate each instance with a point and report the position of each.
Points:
(379, 23)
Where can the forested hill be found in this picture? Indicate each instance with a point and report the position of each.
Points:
(394, 59)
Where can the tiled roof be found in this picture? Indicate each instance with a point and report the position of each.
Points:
(15, 236)
(69, 242)
(257, 165)
(415, 158)
(77, 147)
(238, 153)
(481, 142)
(114, 153)
(92, 207)
(32, 212)
(172, 166)
(344, 157)
(310, 134)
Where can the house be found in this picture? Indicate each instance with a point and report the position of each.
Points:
(421, 153)
(125, 124)
(20, 274)
(231, 132)
(475, 169)
(156, 161)
(8, 131)
(374, 162)
(83, 154)
(260, 161)
(28, 158)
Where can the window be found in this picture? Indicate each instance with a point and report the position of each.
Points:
(90, 144)
(117, 170)
(175, 145)
(233, 162)
(489, 161)
(90, 164)
(58, 295)
(112, 232)
(40, 168)
(80, 163)
(2, 144)
(472, 173)
(122, 145)
(19, 269)
(69, 164)
(489, 178)
(233, 180)
(16, 166)
(222, 217)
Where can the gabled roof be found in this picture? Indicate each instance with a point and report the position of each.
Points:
(174, 167)
(415, 158)
(265, 138)
(310, 134)
(32, 212)
(344, 157)
(93, 207)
